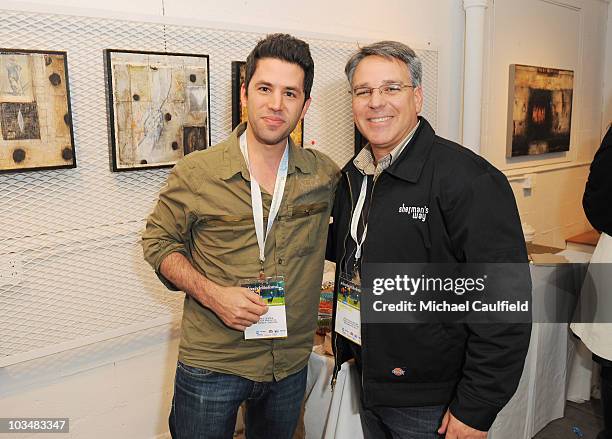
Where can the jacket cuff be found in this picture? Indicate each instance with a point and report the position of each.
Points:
(473, 412)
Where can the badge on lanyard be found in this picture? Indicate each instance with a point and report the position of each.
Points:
(272, 324)
(348, 306)
(348, 303)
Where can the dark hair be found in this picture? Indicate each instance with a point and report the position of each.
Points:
(286, 48)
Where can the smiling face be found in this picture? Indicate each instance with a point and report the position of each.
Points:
(385, 120)
(275, 100)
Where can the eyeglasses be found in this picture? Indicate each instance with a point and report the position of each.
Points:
(386, 90)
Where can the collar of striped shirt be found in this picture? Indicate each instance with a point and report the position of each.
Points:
(366, 164)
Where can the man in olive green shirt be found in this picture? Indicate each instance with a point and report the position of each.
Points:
(201, 238)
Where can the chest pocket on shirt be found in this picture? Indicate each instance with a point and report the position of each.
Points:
(305, 226)
(227, 239)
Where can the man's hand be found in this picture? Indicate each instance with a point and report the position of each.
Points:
(237, 307)
(455, 429)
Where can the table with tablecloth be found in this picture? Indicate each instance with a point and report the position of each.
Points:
(328, 414)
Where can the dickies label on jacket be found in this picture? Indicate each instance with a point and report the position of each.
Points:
(399, 371)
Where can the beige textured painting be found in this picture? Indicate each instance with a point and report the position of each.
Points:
(35, 120)
(158, 106)
(539, 110)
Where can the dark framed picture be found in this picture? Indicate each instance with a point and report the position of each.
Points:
(35, 115)
(158, 107)
(539, 110)
(360, 140)
(239, 111)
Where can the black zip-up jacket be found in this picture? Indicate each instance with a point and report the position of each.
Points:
(471, 217)
(598, 190)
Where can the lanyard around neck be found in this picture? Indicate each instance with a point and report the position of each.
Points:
(356, 216)
(256, 202)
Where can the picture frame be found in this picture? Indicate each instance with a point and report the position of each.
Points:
(539, 110)
(239, 113)
(158, 107)
(36, 131)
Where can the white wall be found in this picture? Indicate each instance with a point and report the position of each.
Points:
(121, 388)
(433, 24)
(567, 34)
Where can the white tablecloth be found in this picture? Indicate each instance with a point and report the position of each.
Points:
(331, 415)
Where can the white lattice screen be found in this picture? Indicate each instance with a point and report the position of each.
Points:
(76, 232)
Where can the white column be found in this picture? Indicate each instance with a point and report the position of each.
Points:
(473, 67)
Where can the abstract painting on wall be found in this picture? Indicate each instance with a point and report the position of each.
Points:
(35, 116)
(239, 111)
(539, 110)
(158, 107)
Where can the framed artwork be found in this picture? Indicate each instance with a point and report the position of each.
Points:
(158, 106)
(360, 140)
(539, 110)
(239, 111)
(35, 115)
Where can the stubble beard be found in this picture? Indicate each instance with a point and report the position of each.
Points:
(272, 139)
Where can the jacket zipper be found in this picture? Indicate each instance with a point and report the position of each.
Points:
(374, 181)
(336, 366)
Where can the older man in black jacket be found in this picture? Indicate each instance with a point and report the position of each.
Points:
(421, 380)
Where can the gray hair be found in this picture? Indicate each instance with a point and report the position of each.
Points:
(387, 49)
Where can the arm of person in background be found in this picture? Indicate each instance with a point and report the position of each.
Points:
(165, 245)
(330, 249)
(333, 172)
(598, 190)
(484, 227)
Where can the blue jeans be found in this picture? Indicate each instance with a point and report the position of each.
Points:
(402, 422)
(206, 403)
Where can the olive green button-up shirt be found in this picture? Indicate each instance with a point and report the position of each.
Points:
(204, 212)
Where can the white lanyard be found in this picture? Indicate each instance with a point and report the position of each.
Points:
(257, 204)
(356, 216)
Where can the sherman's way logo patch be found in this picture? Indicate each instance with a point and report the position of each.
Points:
(416, 212)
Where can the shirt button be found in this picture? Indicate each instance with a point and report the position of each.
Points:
(280, 261)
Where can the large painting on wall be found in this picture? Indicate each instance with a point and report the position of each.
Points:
(35, 116)
(539, 110)
(158, 107)
(239, 111)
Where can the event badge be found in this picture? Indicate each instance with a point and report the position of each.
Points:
(272, 324)
(348, 305)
